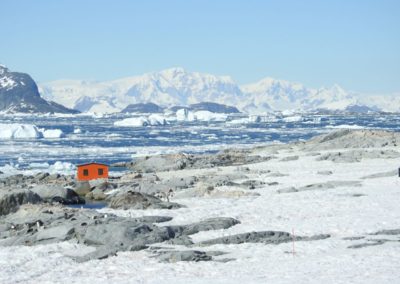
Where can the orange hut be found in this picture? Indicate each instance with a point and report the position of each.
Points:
(91, 171)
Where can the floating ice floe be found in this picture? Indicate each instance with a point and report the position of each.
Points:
(205, 115)
(27, 131)
(154, 120)
(157, 119)
(201, 115)
(62, 168)
(295, 118)
(184, 115)
(19, 131)
(345, 126)
(52, 133)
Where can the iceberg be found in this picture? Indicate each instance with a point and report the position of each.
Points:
(296, 118)
(205, 115)
(52, 133)
(184, 114)
(19, 131)
(153, 120)
(157, 119)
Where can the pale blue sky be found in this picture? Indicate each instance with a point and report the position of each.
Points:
(353, 43)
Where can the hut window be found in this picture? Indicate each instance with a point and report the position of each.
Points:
(85, 172)
(100, 172)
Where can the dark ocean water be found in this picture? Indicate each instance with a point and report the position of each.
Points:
(99, 140)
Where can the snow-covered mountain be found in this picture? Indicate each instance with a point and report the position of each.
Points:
(169, 87)
(177, 86)
(19, 93)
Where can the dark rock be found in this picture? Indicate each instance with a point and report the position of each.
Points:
(153, 219)
(322, 186)
(187, 255)
(108, 233)
(267, 237)
(55, 234)
(381, 175)
(96, 195)
(57, 193)
(137, 200)
(143, 108)
(181, 241)
(173, 162)
(214, 107)
(369, 244)
(82, 188)
(353, 238)
(205, 225)
(11, 200)
(388, 232)
(22, 95)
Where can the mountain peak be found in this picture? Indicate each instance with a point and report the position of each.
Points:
(19, 93)
(174, 70)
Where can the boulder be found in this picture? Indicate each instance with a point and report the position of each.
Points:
(98, 194)
(55, 234)
(57, 193)
(205, 225)
(82, 188)
(137, 200)
(10, 200)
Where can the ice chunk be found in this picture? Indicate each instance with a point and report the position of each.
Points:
(205, 115)
(154, 119)
(62, 168)
(133, 122)
(19, 131)
(184, 114)
(346, 126)
(52, 133)
(157, 119)
(295, 118)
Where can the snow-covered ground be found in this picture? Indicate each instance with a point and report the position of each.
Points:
(342, 212)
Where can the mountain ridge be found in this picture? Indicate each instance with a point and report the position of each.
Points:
(19, 93)
(176, 86)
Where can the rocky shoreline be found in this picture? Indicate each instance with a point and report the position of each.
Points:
(33, 209)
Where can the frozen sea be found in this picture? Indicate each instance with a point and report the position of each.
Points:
(93, 138)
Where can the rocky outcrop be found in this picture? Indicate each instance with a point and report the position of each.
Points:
(57, 193)
(12, 199)
(19, 93)
(172, 162)
(137, 200)
(108, 233)
(347, 139)
(186, 255)
(214, 107)
(206, 225)
(266, 237)
(322, 186)
(143, 108)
